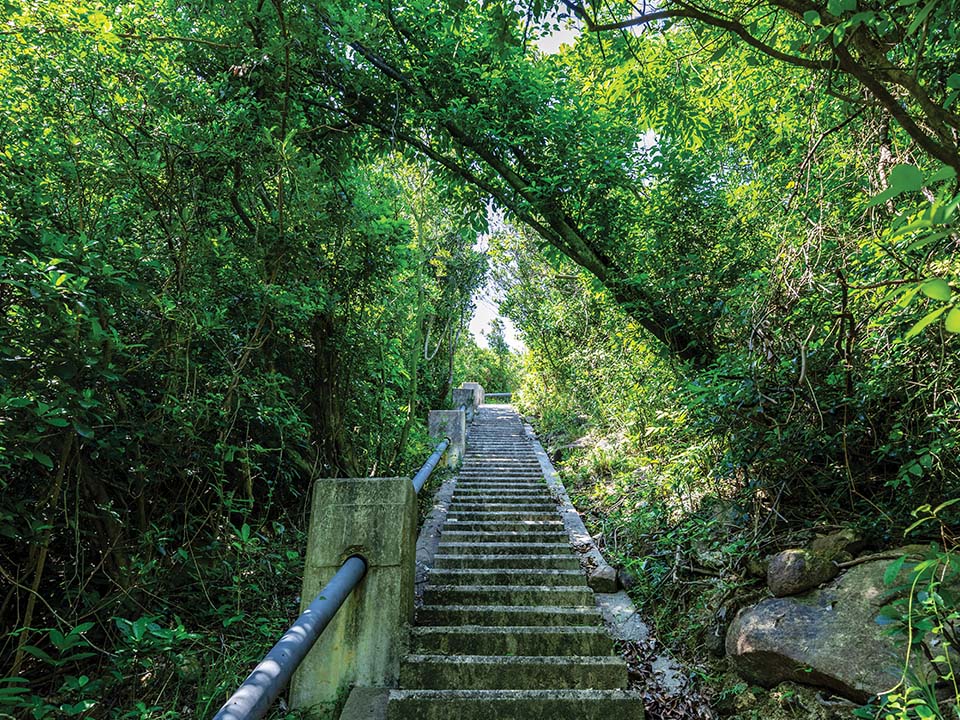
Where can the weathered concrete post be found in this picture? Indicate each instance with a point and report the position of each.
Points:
(375, 518)
(451, 424)
(477, 392)
(466, 397)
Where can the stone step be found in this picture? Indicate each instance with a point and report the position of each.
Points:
(499, 473)
(542, 498)
(452, 533)
(503, 489)
(530, 484)
(505, 459)
(509, 526)
(514, 705)
(499, 468)
(542, 595)
(503, 548)
(507, 615)
(512, 672)
(480, 640)
(559, 561)
(506, 576)
(496, 506)
(494, 515)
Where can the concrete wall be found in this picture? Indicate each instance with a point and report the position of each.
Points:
(375, 518)
(451, 424)
(477, 392)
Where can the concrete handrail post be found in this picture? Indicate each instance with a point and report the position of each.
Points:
(477, 392)
(466, 397)
(377, 519)
(451, 424)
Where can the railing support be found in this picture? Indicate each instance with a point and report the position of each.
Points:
(450, 424)
(375, 518)
(478, 395)
(467, 399)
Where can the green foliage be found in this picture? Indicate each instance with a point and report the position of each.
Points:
(495, 367)
(211, 291)
(925, 614)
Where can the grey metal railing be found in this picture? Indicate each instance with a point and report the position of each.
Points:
(507, 395)
(257, 693)
(421, 477)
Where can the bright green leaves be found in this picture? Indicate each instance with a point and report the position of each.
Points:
(839, 7)
(903, 178)
(952, 323)
(937, 289)
(925, 321)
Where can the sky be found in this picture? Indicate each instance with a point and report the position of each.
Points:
(485, 300)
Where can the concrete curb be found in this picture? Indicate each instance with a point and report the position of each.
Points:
(619, 612)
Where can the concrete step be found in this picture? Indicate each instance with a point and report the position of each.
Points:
(558, 561)
(500, 476)
(526, 484)
(497, 506)
(505, 492)
(541, 498)
(512, 672)
(503, 548)
(542, 595)
(514, 705)
(498, 515)
(507, 615)
(506, 576)
(480, 640)
(509, 526)
(454, 534)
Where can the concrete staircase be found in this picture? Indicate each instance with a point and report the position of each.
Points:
(508, 629)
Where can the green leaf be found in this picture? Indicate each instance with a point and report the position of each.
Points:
(42, 458)
(39, 654)
(937, 289)
(954, 81)
(924, 321)
(83, 430)
(905, 178)
(811, 17)
(893, 569)
(944, 173)
(921, 16)
(952, 323)
(838, 7)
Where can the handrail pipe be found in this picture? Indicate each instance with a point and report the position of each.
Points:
(421, 477)
(254, 697)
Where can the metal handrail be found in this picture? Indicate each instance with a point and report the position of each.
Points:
(256, 694)
(421, 477)
(254, 697)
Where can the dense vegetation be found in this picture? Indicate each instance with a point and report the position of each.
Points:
(237, 253)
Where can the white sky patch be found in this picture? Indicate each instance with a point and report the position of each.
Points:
(566, 35)
(487, 311)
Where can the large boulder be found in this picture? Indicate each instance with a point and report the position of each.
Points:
(795, 571)
(839, 546)
(828, 637)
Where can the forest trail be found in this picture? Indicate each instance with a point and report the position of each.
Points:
(508, 627)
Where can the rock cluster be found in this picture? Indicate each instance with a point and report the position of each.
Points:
(826, 636)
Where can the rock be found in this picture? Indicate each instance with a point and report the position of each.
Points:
(603, 579)
(628, 581)
(838, 546)
(757, 567)
(828, 638)
(794, 571)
